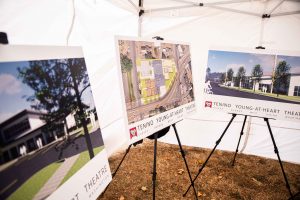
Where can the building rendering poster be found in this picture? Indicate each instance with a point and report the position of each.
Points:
(51, 143)
(157, 84)
(253, 83)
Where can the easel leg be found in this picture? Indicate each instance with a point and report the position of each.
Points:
(217, 143)
(277, 153)
(154, 167)
(127, 151)
(115, 172)
(237, 148)
(183, 156)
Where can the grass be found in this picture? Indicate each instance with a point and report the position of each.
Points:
(81, 131)
(80, 162)
(32, 186)
(284, 97)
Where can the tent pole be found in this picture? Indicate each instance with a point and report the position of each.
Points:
(230, 2)
(286, 13)
(215, 6)
(135, 7)
(204, 5)
(140, 27)
(233, 10)
(261, 34)
(141, 12)
(216, 3)
(276, 7)
(72, 23)
(262, 28)
(170, 8)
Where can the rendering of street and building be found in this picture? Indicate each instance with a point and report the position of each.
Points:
(48, 125)
(155, 78)
(254, 76)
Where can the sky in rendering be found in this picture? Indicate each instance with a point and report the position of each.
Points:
(221, 61)
(13, 93)
(293, 61)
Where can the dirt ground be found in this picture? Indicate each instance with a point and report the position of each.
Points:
(252, 177)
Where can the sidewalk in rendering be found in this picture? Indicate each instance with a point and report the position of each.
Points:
(52, 184)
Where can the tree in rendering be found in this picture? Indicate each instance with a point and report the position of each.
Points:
(58, 87)
(240, 76)
(222, 77)
(229, 75)
(126, 67)
(281, 77)
(208, 70)
(256, 74)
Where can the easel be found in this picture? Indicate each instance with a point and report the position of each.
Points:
(154, 136)
(233, 161)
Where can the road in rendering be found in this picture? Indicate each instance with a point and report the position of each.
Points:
(217, 90)
(17, 173)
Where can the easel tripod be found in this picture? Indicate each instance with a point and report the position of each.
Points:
(154, 137)
(233, 161)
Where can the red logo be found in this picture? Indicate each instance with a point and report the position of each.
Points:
(208, 104)
(133, 132)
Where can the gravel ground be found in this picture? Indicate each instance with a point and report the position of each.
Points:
(252, 177)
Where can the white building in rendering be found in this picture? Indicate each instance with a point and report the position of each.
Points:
(294, 88)
(23, 133)
(264, 81)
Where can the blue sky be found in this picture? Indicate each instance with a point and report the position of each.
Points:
(293, 61)
(219, 61)
(12, 91)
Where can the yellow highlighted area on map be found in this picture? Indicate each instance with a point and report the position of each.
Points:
(156, 77)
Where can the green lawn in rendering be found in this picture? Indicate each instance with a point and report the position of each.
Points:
(32, 186)
(80, 162)
(80, 131)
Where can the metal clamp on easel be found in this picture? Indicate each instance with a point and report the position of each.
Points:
(3, 38)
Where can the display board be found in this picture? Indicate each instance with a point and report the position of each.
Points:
(157, 83)
(252, 82)
(51, 143)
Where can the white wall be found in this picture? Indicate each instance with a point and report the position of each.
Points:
(294, 81)
(35, 122)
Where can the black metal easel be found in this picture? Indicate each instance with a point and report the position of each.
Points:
(241, 133)
(154, 136)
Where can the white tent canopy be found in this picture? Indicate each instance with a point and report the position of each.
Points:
(93, 24)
